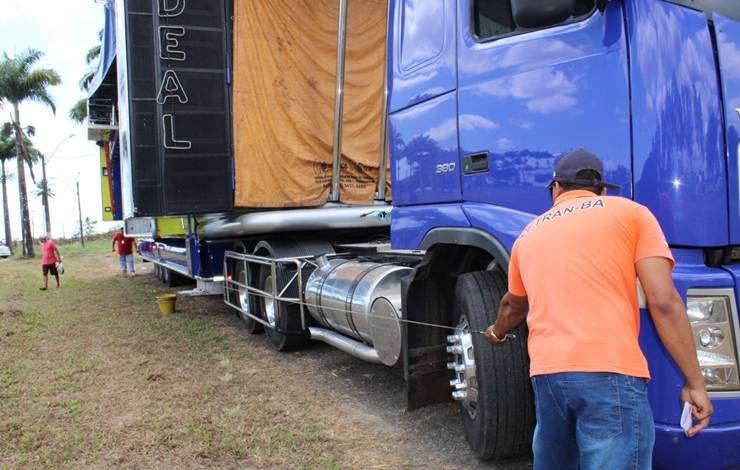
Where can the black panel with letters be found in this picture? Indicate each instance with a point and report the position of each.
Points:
(179, 106)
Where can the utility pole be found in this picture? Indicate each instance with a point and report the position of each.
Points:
(45, 196)
(79, 211)
(45, 184)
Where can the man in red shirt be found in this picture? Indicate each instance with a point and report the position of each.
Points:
(125, 252)
(49, 259)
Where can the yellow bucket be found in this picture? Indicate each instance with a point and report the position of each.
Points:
(166, 303)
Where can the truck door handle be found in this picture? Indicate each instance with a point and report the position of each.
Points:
(475, 163)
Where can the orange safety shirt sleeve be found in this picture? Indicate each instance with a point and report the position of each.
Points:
(516, 285)
(651, 241)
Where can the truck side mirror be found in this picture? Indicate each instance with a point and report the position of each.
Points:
(530, 14)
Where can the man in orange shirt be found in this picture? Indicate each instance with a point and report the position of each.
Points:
(572, 276)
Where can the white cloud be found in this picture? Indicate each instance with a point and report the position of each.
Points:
(543, 91)
(522, 123)
(443, 131)
(528, 50)
(64, 31)
(471, 122)
(468, 122)
(729, 56)
(503, 144)
(549, 104)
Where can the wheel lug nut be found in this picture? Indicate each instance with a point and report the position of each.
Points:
(461, 395)
(451, 365)
(453, 339)
(455, 349)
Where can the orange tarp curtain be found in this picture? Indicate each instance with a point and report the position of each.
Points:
(283, 101)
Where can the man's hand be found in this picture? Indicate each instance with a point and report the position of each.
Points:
(672, 324)
(491, 337)
(701, 409)
(511, 312)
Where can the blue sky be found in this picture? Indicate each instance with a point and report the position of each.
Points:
(64, 30)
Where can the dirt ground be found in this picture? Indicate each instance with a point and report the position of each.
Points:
(92, 376)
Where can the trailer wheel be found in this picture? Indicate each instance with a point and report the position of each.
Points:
(253, 327)
(280, 315)
(498, 409)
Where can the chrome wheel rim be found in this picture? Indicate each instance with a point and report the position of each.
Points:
(465, 384)
(243, 292)
(270, 312)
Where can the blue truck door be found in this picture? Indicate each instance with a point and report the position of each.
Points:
(728, 48)
(524, 98)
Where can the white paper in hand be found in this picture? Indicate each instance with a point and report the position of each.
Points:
(686, 420)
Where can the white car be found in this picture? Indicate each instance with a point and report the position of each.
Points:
(4, 251)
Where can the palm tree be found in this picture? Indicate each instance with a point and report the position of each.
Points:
(19, 82)
(7, 152)
(45, 192)
(78, 113)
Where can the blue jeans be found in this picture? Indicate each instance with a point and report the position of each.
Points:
(592, 421)
(127, 263)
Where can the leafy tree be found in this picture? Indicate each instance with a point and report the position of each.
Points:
(7, 153)
(78, 113)
(20, 82)
(89, 226)
(43, 187)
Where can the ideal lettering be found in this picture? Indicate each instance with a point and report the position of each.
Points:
(171, 8)
(170, 142)
(169, 43)
(171, 88)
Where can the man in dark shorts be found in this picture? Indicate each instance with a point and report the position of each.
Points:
(49, 259)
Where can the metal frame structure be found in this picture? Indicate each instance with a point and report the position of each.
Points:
(278, 292)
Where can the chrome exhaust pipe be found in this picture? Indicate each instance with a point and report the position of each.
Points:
(343, 343)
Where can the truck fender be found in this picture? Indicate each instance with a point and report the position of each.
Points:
(428, 294)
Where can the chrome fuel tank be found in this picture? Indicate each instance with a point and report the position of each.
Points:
(361, 300)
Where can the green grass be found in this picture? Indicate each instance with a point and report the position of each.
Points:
(98, 245)
(92, 376)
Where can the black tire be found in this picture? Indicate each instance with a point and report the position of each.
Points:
(166, 276)
(287, 318)
(253, 327)
(503, 422)
(174, 279)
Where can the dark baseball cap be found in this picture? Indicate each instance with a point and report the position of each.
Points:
(569, 165)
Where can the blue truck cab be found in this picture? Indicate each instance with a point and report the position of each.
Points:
(480, 109)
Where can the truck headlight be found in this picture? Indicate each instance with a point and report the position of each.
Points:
(711, 322)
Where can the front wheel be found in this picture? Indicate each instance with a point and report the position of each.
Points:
(496, 399)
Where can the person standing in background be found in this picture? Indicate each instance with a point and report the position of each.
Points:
(125, 252)
(49, 259)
